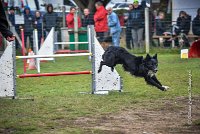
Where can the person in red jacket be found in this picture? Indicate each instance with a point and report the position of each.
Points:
(70, 18)
(100, 19)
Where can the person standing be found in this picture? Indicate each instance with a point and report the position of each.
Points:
(11, 15)
(114, 25)
(38, 26)
(136, 17)
(28, 26)
(50, 19)
(88, 18)
(129, 40)
(70, 18)
(101, 23)
(4, 27)
(196, 24)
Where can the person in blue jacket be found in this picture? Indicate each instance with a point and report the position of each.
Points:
(114, 25)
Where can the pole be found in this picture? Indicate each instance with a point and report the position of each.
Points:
(42, 40)
(89, 40)
(14, 70)
(190, 98)
(23, 49)
(68, 43)
(76, 28)
(93, 58)
(71, 51)
(147, 40)
(36, 50)
(53, 56)
(53, 74)
(63, 16)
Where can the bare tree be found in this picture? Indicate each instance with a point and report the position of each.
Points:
(89, 4)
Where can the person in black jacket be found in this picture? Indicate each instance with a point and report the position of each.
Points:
(196, 24)
(28, 26)
(4, 25)
(50, 19)
(11, 15)
(129, 40)
(88, 18)
(38, 25)
(136, 17)
(160, 24)
(183, 23)
(161, 29)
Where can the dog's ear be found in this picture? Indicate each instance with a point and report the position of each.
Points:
(148, 56)
(155, 56)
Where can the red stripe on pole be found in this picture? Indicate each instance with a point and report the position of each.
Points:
(23, 49)
(53, 74)
(71, 51)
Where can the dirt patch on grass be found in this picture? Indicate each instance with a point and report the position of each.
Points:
(163, 117)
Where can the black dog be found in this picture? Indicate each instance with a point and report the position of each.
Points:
(137, 66)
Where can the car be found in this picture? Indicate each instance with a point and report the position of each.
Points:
(119, 6)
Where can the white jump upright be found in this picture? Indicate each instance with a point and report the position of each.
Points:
(7, 72)
(106, 80)
(48, 46)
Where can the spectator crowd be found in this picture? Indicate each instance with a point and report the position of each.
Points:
(106, 23)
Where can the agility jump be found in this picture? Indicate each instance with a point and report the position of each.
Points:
(101, 82)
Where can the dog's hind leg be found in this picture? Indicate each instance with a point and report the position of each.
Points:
(112, 69)
(100, 67)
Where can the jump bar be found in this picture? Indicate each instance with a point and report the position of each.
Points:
(67, 43)
(53, 56)
(53, 74)
(71, 51)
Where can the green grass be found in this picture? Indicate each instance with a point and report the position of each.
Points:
(58, 102)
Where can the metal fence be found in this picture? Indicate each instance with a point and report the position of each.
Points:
(159, 30)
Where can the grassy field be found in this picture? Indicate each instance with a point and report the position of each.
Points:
(55, 104)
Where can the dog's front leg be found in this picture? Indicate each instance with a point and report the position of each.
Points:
(157, 81)
(151, 81)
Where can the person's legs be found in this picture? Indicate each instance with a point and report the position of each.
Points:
(140, 37)
(116, 39)
(31, 40)
(39, 39)
(55, 40)
(135, 38)
(25, 40)
(128, 38)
